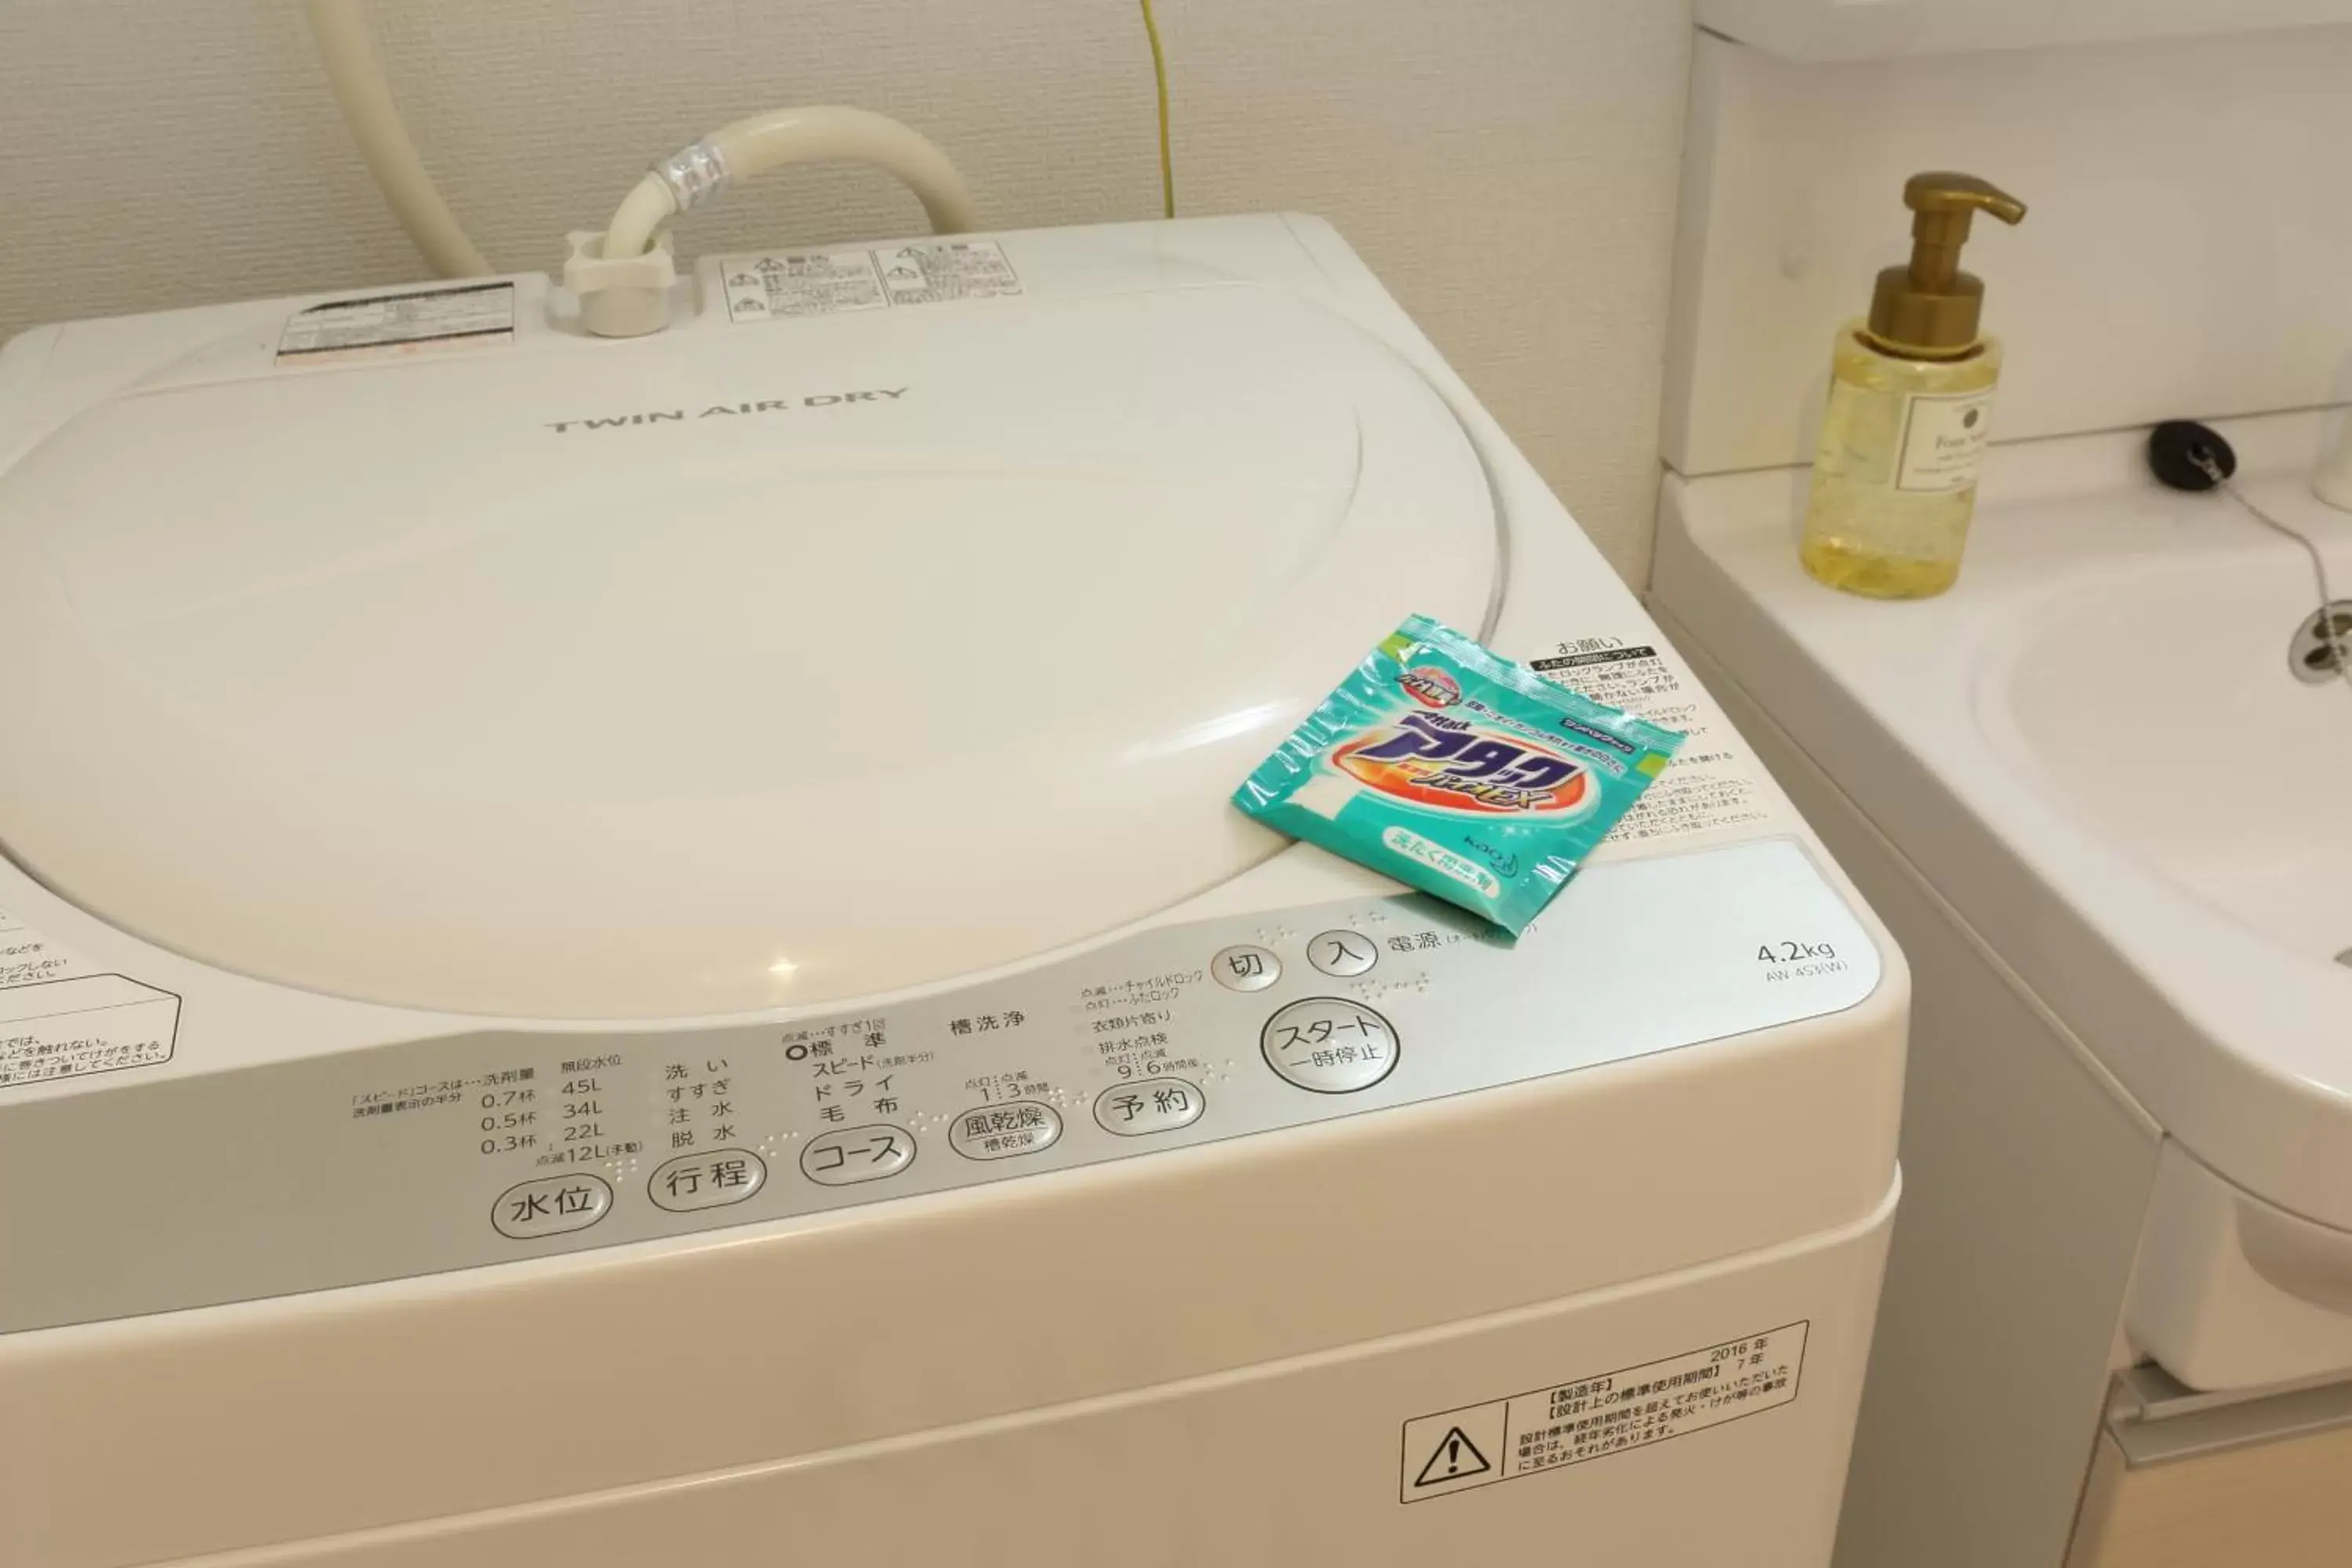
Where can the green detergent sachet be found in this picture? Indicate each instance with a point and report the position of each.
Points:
(1458, 771)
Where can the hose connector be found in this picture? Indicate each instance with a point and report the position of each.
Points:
(620, 296)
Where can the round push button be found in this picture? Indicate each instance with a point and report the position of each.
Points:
(857, 1154)
(709, 1181)
(1149, 1105)
(1003, 1131)
(552, 1205)
(1329, 1046)
(1343, 952)
(1245, 968)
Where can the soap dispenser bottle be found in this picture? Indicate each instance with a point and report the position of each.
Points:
(1911, 387)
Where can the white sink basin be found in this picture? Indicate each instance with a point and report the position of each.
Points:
(2094, 748)
(2157, 706)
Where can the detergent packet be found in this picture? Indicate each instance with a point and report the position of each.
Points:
(1458, 771)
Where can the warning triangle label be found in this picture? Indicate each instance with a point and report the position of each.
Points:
(1455, 1457)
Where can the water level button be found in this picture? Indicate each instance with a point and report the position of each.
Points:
(552, 1205)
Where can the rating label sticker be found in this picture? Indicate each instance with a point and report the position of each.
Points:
(1592, 1418)
(415, 320)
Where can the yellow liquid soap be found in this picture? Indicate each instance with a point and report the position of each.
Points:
(1894, 478)
(1873, 576)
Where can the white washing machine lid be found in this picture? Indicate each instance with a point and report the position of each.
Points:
(714, 671)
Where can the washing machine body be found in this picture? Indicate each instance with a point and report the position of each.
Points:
(630, 953)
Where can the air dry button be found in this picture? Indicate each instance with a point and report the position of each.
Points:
(1001, 1131)
(1343, 952)
(1329, 1046)
(552, 1205)
(859, 1155)
(1245, 968)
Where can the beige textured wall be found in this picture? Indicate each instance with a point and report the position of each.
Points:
(1508, 166)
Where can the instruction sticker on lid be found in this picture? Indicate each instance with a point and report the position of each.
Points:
(62, 1016)
(801, 283)
(937, 270)
(767, 286)
(410, 322)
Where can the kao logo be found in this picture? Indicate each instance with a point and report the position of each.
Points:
(1430, 686)
(1431, 760)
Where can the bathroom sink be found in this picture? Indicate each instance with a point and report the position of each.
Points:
(2096, 751)
(2160, 707)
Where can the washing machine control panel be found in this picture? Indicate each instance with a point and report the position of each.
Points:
(455, 1151)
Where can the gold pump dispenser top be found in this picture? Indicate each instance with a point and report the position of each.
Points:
(1930, 309)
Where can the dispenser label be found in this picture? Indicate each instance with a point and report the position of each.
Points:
(1715, 783)
(1943, 441)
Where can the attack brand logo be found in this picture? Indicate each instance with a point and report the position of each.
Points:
(1451, 765)
(1430, 686)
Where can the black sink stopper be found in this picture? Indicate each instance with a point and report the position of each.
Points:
(2178, 451)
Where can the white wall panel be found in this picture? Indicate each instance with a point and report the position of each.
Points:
(1509, 168)
(2185, 254)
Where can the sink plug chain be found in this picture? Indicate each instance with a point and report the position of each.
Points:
(2319, 644)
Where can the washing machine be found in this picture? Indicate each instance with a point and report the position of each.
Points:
(634, 954)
